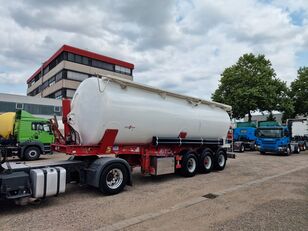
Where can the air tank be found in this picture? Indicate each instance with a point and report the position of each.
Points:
(140, 112)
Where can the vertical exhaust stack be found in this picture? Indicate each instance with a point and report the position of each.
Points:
(66, 108)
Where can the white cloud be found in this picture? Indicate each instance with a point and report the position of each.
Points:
(180, 45)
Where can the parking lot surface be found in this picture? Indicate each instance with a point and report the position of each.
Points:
(254, 192)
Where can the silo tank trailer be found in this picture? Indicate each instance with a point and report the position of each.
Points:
(131, 125)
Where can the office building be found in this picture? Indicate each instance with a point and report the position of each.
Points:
(62, 73)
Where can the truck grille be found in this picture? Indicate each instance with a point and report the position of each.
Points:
(268, 142)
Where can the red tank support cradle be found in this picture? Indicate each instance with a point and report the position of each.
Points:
(103, 147)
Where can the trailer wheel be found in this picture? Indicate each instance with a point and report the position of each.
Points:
(32, 153)
(297, 149)
(113, 179)
(220, 160)
(189, 164)
(206, 162)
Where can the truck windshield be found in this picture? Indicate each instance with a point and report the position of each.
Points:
(269, 133)
(46, 127)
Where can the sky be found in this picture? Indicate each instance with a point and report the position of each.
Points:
(177, 45)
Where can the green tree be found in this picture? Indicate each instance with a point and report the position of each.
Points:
(299, 92)
(251, 85)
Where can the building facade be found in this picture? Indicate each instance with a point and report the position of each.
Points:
(45, 108)
(62, 73)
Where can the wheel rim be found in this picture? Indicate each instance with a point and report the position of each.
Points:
(191, 165)
(243, 149)
(207, 162)
(221, 160)
(114, 178)
(33, 153)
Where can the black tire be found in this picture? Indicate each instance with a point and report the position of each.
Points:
(242, 148)
(288, 151)
(189, 164)
(298, 150)
(220, 159)
(253, 147)
(113, 172)
(32, 153)
(262, 153)
(206, 161)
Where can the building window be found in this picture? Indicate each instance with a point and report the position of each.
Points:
(71, 57)
(52, 81)
(59, 76)
(85, 61)
(78, 59)
(44, 85)
(46, 69)
(102, 65)
(19, 106)
(58, 95)
(70, 93)
(7, 106)
(122, 70)
(76, 76)
(56, 109)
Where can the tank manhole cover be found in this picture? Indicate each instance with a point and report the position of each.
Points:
(210, 196)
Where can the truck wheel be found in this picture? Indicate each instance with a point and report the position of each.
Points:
(220, 160)
(288, 151)
(32, 153)
(297, 150)
(242, 149)
(189, 164)
(262, 153)
(206, 162)
(113, 179)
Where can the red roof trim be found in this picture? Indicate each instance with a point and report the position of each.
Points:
(81, 52)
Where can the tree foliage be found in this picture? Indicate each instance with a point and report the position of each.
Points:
(299, 92)
(251, 85)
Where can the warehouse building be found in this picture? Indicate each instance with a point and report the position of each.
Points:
(263, 117)
(62, 73)
(45, 108)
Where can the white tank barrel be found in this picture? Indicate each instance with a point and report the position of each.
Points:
(140, 112)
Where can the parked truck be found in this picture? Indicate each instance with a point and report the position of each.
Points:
(244, 136)
(24, 135)
(298, 129)
(133, 125)
(275, 138)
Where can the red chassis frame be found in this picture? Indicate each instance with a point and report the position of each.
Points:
(135, 155)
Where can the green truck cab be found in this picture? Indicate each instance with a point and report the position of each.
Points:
(30, 137)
